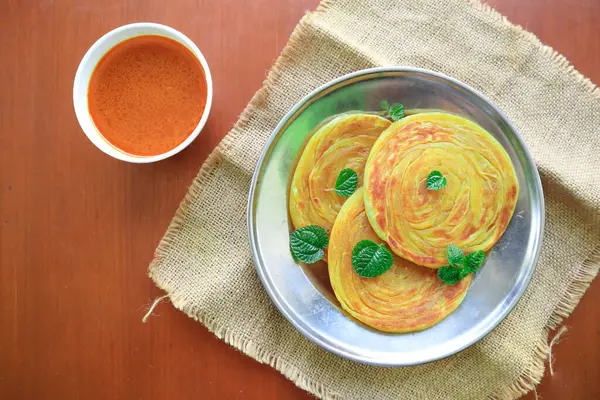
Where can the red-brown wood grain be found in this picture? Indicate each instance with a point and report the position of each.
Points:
(78, 229)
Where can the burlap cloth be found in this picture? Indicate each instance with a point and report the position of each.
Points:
(204, 262)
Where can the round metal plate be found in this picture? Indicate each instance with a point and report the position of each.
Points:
(301, 292)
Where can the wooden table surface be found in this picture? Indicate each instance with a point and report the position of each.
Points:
(78, 229)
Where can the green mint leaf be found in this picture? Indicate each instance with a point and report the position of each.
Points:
(435, 180)
(396, 112)
(307, 244)
(460, 265)
(455, 255)
(293, 255)
(370, 259)
(346, 182)
(384, 105)
(464, 272)
(450, 275)
(474, 260)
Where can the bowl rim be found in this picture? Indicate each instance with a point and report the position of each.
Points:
(523, 283)
(82, 112)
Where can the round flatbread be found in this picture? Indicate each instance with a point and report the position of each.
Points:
(472, 211)
(406, 298)
(343, 142)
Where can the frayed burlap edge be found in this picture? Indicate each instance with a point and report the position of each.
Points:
(525, 383)
(535, 372)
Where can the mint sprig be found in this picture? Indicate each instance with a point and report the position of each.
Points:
(307, 244)
(370, 259)
(474, 260)
(449, 274)
(435, 181)
(346, 182)
(454, 255)
(460, 265)
(394, 112)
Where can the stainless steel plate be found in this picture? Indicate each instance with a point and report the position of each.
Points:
(302, 293)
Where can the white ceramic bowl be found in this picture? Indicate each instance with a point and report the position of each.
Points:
(95, 54)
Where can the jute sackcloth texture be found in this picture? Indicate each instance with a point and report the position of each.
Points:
(204, 262)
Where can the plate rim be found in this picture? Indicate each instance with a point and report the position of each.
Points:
(265, 281)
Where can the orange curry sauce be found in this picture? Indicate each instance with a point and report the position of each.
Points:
(147, 95)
